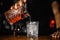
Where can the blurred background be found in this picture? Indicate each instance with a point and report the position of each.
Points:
(40, 10)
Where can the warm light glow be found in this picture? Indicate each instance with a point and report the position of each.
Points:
(52, 21)
(15, 6)
(20, 3)
(18, 29)
(11, 8)
(24, 1)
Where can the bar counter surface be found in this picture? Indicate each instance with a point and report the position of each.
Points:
(26, 38)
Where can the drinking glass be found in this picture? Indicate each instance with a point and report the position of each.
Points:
(32, 29)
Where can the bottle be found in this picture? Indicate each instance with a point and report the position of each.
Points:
(18, 16)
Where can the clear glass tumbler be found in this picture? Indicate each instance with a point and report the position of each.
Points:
(32, 29)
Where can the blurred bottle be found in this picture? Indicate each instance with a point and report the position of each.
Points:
(18, 16)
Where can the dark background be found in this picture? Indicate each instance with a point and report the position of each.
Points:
(40, 10)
